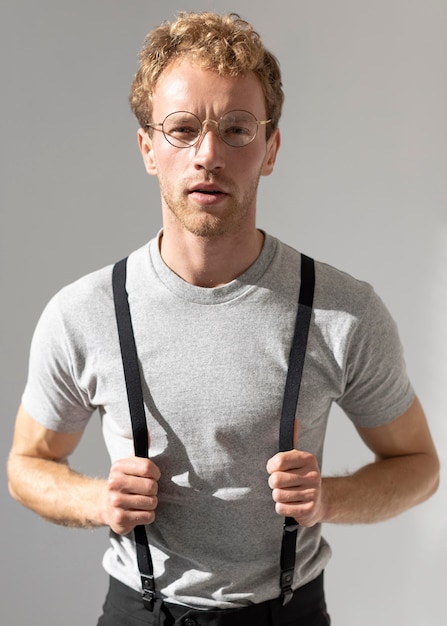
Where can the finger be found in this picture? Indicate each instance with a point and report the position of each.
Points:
(133, 485)
(285, 461)
(136, 466)
(136, 485)
(284, 480)
(305, 477)
(295, 495)
(124, 521)
(303, 512)
(132, 502)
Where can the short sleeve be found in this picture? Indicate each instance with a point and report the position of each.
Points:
(377, 388)
(53, 395)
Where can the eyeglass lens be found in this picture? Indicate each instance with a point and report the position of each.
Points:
(236, 128)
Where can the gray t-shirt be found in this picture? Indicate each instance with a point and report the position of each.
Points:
(214, 363)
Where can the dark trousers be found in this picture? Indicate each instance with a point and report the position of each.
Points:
(124, 607)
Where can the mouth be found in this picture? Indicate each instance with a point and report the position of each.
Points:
(209, 189)
(207, 194)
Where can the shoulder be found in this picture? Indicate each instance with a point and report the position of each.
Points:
(92, 292)
(88, 291)
(338, 290)
(335, 289)
(84, 305)
(347, 311)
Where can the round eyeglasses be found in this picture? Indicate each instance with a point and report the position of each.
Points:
(183, 129)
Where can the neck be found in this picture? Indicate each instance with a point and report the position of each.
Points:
(210, 262)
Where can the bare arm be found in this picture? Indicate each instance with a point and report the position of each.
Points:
(404, 474)
(41, 479)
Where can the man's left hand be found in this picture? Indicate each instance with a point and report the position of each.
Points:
(296, 485)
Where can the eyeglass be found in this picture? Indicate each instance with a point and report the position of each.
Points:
(183, 129)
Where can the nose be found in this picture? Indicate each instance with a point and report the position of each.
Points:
(209, 150)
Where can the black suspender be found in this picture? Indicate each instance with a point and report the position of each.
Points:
(137, 415)
(139, 424)
(291, 392)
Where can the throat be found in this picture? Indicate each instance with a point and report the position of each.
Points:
(210, 263)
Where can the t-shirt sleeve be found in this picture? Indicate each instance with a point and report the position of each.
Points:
(53, 394)
(377, 388)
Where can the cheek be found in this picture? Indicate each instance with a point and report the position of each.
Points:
(247, 160)
(165, 162)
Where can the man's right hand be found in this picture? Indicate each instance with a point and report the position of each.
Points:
(41, 479)
(132, 489)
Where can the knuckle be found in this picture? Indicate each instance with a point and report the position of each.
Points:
(115, 499)
(155, 471)
(112, 482)
(282, 508)
(151, 517)
(314, 476)
(276, 495)
(120, 519)
(121, 514)
(279, 508)
(273, 481)
(152, 488)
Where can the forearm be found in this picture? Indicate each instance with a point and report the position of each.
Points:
(380, 490)
(56, 492)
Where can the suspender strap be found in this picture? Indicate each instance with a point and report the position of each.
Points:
(292, 389)
(139, 424)
(137, 414)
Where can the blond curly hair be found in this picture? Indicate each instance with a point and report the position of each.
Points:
(225, 44)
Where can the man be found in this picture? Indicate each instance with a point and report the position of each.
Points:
(213, 302)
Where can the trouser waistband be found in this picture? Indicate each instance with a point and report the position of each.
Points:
(271, 612)
(306, 601)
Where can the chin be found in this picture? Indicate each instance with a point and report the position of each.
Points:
(209, 226)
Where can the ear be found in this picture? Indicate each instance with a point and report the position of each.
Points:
(147, 152)
(272, 150)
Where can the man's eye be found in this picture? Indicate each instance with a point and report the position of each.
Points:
(237, 130)
(183, 130)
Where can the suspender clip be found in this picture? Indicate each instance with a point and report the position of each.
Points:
(286, 585)
(148, 593)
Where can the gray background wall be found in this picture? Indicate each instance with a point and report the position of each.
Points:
(360, 183)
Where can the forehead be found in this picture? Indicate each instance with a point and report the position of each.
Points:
(185, 86)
